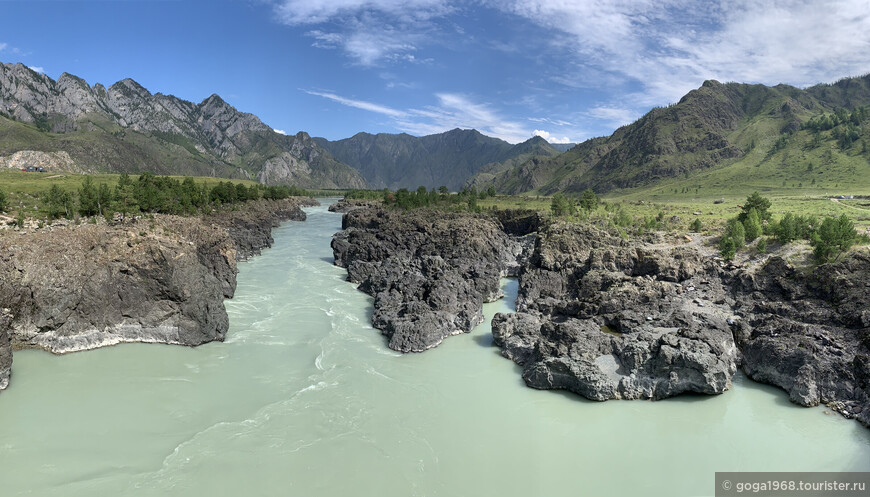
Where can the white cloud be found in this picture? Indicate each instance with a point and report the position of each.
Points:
(40, 70)
(279, 131)
(368, 31)
(614, 116)
(359, 104)
(671, 46)
(452, 111)
(547, 120)
(547, 136)
(3, 46)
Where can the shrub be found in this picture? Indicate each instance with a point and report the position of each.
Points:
(834, 237)
(752, 225)
(696, 226)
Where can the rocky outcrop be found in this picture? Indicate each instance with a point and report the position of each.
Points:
(347, 205)
(428, 271)
(50, 161)
(72, 288)
(611, 319)
(5, 351)
(251, 228)
(614, 318)
(808, 332)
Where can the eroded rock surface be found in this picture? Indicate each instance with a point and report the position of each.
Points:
(71, 288)
(612, 319)
(429, 271)
(808, 332)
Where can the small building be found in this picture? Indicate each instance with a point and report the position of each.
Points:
(33, 169)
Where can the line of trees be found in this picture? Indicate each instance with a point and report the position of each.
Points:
(830, 238)
(150, 193)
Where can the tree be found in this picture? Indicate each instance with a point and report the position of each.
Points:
(727, 248)
(696, 226)
(442, 190)
(589, 200)
(490, 191)
(734, 230)
(4, 203)
(757, 202)
(89, 204)
(55, 202)
(104, 199)
(834, 237)
(752, 225)
(561, 205)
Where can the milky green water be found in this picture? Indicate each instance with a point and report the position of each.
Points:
(305, 399)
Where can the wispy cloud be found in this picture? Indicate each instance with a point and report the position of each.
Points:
(279, 131)
(360, 104)
(614, 116)
(451, 111)
(3, 46)
(370, 32)
(670, 46)
(40, 70)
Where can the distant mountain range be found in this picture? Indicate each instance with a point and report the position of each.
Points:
(718, 136)
(125, 128)
(715, 137)
(448, 159)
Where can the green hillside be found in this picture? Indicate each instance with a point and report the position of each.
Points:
(722, 140)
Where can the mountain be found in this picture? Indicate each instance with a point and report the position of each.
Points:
(125, 128)
(405, 161)
(563, 147)
(716, 136)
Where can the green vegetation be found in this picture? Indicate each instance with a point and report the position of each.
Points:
(58, 196)
(833, 238)
(4, 203)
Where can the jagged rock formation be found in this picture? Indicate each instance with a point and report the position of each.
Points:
(614, 318)
(809, 333)
(71, 288)
(610, 319)
(448, 159)
(428, 271)
(5, 351)
(125, 128)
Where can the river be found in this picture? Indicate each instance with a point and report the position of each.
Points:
(305, 399)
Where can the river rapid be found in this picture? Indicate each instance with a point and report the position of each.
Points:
(304, 398)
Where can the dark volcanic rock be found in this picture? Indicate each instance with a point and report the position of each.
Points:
(163, 280)
(5, 351)
(429, 271)
(609, 319)
(809, 333)
(347, 205)
(251, 227)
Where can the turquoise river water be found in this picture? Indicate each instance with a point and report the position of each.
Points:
(305, 399)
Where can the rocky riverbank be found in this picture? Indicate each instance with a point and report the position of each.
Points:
(614, 318)
(429, 271)
(71, 287)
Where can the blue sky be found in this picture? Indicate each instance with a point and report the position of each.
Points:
(567, 70)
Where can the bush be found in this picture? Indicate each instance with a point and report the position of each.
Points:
(761, 246)
(834, 237)
(752, 225)
(696, 226)
(757, 202)
(727, 248)
(734, 229)
(589, 200)
(4, 203)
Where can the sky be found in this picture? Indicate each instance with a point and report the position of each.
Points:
(566, 70)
